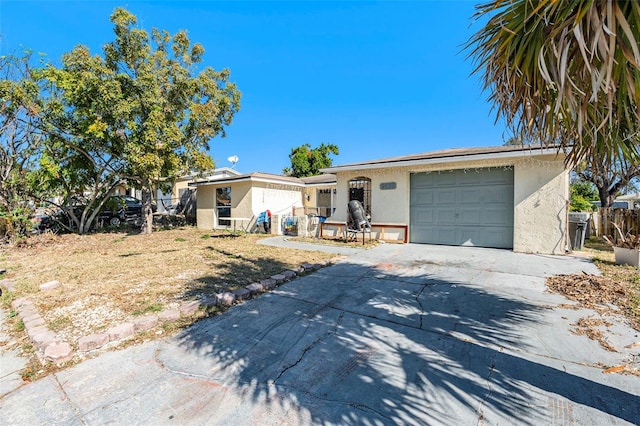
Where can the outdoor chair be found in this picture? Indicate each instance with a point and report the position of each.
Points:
(357, 223)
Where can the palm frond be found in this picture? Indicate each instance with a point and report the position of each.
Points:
(567, 72)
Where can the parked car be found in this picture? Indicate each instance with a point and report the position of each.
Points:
(118, 209)
(123, 208)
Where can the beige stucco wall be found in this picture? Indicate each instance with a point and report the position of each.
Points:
(311, 199)
(206, 201)
(279, 199)
(206, 215)
(241, 200)
(387, 206)
(540, 198)
(248, 200)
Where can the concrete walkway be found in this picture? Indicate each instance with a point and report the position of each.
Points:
(286, 242)
(398, 334)
(11, 363)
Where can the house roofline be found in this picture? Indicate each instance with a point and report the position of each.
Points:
(445, 157)
(333, 183)
(250, 178)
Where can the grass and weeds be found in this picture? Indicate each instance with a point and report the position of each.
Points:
(618, 286)
(150, 308)
(110, 278)
(615, 292)
(340, 242)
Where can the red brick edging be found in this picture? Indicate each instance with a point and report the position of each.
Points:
(53, 349)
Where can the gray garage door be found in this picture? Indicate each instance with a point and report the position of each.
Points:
(458, 208)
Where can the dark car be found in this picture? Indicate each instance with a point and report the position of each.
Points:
(123, 207)
(118, 209)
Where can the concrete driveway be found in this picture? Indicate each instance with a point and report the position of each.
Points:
(400, 334)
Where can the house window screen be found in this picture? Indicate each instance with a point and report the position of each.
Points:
(325, 199)
(360, 189)
(223, 205)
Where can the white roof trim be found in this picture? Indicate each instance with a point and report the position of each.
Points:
(322, 184)
(381, 164)
(247, 179)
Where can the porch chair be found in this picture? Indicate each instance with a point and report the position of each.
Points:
(357, 222)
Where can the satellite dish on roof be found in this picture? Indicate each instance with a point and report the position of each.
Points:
(233, 160)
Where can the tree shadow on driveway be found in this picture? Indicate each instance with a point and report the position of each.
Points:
(356, 344)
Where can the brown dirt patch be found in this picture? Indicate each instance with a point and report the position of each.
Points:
(107, 279)
(340, 242)
(616, 292)
(587, 327)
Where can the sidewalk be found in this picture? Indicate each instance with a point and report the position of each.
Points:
(11, 363)
(282, 241)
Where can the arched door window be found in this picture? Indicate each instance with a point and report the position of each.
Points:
(360, 189)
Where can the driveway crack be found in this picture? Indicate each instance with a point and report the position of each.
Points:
(420, 304)
(311, 346)
(355, 405)
(492, 366)
(75, 409)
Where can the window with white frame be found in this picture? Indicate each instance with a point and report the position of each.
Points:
(223, 205)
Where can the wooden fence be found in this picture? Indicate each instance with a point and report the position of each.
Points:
(628, 220)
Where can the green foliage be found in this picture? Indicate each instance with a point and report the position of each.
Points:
(20, 142)
(6, 297)
(580, 204)
(19, 325)
(307, 161)
(136, 113)
(584, 189)
(150, 308)
(582, 195)
(565, 72)
(608, 178)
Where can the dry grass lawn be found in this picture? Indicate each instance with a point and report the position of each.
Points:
(619, 285)
(107, 279)
(616, 292)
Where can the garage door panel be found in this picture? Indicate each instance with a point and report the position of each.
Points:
(423, 196)
(472, 208)
(468, 235)
(445, 196)
(496, 217)
(445, 216)
(426, 181)
(484, 236)
(502, 195)
(497, 176)
(443, 179)
(467, 178)
(469, 217)
(444, 234)
(425, 217)
(497, 236)
(470, 196)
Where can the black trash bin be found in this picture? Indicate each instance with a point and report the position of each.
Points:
(578, 228)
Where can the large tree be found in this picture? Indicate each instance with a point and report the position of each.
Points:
(307, 161)
(564, 72)
(609, 178)
(139, 112)
(20, 104)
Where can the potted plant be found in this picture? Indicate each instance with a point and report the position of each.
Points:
(626, 249)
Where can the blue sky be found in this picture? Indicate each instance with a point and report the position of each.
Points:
(378, 79)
